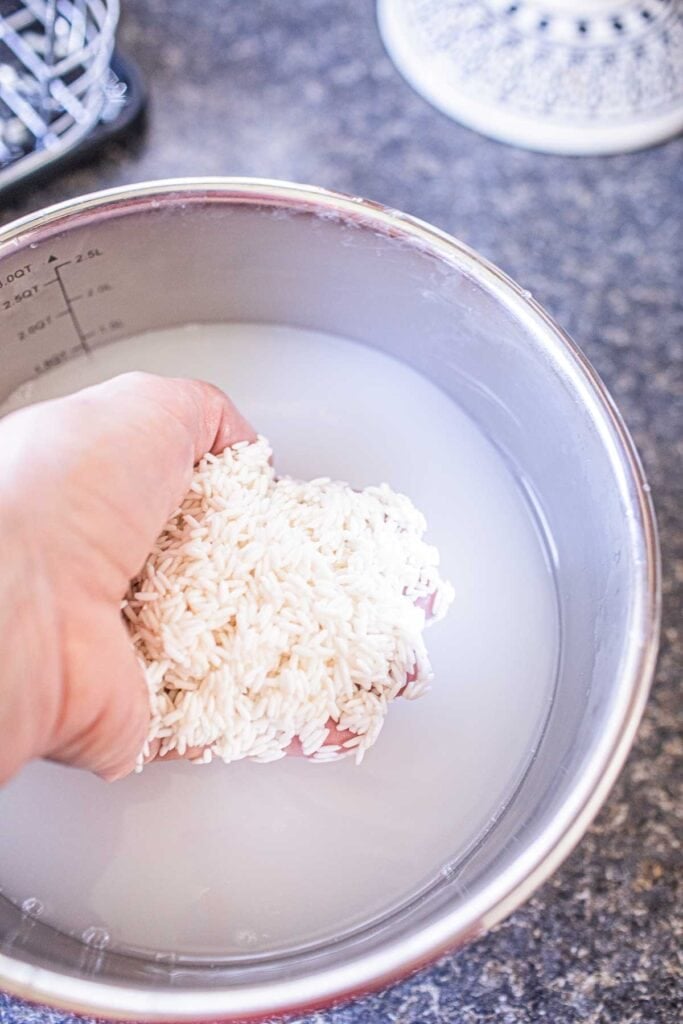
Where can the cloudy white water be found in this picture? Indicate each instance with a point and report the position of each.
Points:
(238, 858)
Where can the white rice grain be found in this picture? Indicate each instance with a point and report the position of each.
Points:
(273, 610)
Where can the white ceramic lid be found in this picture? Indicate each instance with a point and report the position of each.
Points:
(560, 76)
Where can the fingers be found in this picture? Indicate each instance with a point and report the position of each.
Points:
(210, 419)
(427, 605)
(218, 424)
(119, 461)
(105, 716)
(338, 737)
(190, 754)
(168, 424)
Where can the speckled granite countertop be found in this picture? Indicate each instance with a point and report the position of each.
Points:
(304, 91)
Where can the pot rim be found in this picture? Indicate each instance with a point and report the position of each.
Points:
(540, 858)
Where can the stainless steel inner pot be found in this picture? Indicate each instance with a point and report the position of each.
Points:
(113, 264)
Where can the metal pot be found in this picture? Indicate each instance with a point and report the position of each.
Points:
(165, 253)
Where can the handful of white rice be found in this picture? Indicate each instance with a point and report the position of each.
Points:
(275, 614)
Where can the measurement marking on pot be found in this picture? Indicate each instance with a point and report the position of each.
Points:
(69, 301)
(25, 294)
(35, 327)
(19, 296)
(13, 276)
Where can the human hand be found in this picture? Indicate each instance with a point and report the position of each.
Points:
(86, 484)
